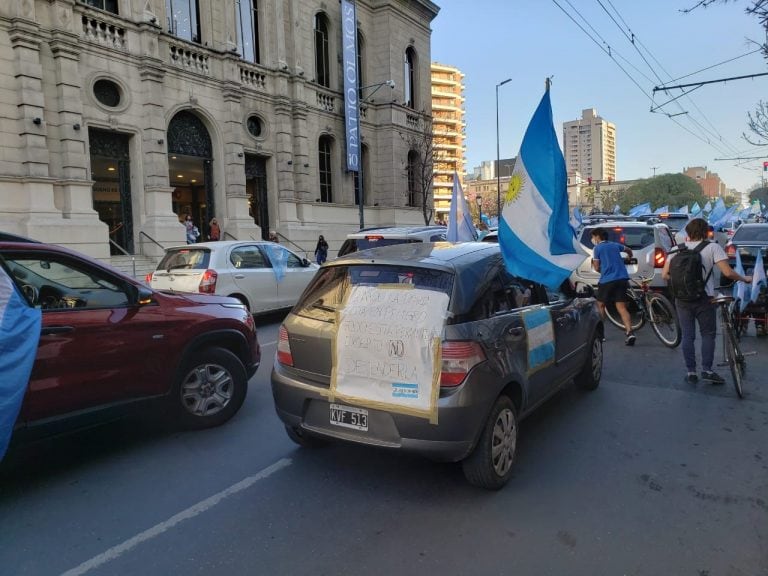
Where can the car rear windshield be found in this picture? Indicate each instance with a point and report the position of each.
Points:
(330, 286)
(751, 234)
(636, 237)
(378, 242)
(185, 259)
(675, 223)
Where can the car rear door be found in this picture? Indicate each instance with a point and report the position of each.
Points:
(296, 277)
(254, 276)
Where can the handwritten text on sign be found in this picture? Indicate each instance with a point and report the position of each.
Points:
(385, 347)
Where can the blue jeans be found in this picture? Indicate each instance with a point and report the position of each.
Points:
(703, 312)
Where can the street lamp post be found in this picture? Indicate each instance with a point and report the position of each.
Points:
(498, 152)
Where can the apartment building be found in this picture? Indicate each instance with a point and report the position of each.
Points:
(589, 146)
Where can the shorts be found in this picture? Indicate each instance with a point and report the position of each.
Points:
(615, 291)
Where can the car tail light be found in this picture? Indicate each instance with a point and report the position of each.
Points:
(208, 282)
(730, 251)
(458, 359)
(284, 355)
(148, 278)
(659, 257)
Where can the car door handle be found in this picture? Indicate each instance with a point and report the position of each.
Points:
(49, 330)
(239, 276)
(564, 321)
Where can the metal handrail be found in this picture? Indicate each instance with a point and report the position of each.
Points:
(142, 233)
(123, 250)
(299, 248)
(230, 235)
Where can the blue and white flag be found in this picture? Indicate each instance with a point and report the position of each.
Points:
(535, 237)
(540, 338)
(740, 290)
(718, 211)
(19, 335)
(707, 207)
(695, 209)
(758, 276)
(755, 208)
(278, 257)
(683, 209)
(576, 219)
(661, 210)
(616, 209)
(460, 227)
(640, 209)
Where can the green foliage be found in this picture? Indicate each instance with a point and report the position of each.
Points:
(673, 190)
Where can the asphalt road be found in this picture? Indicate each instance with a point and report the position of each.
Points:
(645, 476)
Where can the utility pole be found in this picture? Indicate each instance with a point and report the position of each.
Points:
(654, 168)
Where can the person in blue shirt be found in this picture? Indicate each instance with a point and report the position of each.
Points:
(614, 280)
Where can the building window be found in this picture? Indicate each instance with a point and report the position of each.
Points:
(108, 5)
(255, 126)
(322, 59)
(183, 19)
(410, 78)
(107, 92)
(325, 149)
(360, 68)
(413, 165)
(247, 16)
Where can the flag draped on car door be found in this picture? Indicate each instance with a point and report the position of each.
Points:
(19, 335)
(535, 235)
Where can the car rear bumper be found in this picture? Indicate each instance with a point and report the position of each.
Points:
(461, 416)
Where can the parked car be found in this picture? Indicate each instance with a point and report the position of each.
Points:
(264, 276)
(109, 345)
(747, 240)
(650, 244)
(487, 381)
(389, 236)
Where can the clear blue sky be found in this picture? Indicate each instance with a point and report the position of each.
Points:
(528, 40)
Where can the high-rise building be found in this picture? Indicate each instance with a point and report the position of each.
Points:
(448, 128)
(709, 182)
(589, 146)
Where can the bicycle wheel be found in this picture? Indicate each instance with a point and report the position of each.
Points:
(735, 359)
(635, 309)
(664, 320)
(738, 321)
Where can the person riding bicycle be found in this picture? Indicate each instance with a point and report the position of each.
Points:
(614, 279)
(701, 310)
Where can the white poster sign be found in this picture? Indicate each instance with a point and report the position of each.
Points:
(387, 349)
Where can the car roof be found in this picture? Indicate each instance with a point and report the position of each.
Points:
(443, 255)
(395, 232)
(8, 237)
(219, 244)
(621, 223)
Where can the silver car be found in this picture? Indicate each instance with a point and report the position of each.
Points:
(491, 371)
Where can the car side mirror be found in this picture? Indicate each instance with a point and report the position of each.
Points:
(144, 296)
(305, 262)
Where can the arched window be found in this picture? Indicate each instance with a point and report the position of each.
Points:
(413, 178)
(325, 164)
(362, 176)
(360, 65)
(410, 78)
(322, 59)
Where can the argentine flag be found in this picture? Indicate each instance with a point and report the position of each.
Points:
(535, 237)
(740, 290)
(460, 227)
(758, 276)
(19, 334)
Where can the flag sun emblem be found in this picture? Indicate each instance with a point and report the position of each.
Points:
(515, 186)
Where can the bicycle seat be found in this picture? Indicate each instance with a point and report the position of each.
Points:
(722, 299)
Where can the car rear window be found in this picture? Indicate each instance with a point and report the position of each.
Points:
(329, 287)
(635, 237)
(675, 223)
(185, 258)
(751, 234)
(379, 241)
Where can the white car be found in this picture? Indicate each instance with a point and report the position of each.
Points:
(264, 276)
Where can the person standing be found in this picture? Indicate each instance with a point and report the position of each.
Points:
(273, 237)
(701, 310)
(191, 230)
(321, 250)
(614, 279)
(214, 230)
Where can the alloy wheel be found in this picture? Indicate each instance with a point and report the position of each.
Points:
(503, 442)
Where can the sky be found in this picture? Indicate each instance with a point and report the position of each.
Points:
(529, 40)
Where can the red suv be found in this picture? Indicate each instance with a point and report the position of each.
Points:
(109, 344)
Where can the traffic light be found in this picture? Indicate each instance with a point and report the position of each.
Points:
(765, 166)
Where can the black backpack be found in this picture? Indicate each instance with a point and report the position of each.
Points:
(686, 273)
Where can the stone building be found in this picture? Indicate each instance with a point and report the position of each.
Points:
(119, 117)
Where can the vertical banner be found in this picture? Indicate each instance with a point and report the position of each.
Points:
(351, 100)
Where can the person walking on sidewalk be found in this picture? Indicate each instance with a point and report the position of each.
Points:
(321, 250)
(614, 279)
(701, 310)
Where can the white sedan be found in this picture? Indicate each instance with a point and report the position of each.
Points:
(264, 276)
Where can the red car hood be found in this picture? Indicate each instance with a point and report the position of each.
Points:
(205, 298)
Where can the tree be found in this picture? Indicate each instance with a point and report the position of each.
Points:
(760, 193)
(671, 190)
(422, 155)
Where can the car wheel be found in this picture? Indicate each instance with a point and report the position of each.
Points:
(211, 388)
(490, 464)
(592, 371)
(303, 439)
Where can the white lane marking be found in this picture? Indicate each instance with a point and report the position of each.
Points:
(117, 551)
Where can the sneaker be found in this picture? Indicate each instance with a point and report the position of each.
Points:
(691, 378)
(630, 340)
(712, 377)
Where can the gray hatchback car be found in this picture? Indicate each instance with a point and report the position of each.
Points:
(506, 345)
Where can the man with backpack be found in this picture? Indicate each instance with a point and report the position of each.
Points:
(689, 272)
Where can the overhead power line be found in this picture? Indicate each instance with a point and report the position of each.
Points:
(699, 84)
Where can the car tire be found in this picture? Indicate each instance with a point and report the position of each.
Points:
(489, 465)
(592, 371)
(303, 439)
(210, 389)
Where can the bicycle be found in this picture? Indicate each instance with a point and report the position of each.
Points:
(733, 357)
(643, 305)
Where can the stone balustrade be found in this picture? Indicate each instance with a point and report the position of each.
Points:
(104, 33)
(253, 79)
(191, 60)
(412, 121)
(326, 102)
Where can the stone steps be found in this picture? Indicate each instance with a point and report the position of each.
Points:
(144, 265)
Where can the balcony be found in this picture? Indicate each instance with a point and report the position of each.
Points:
(252, 77)
(186, 57)
(103, 32)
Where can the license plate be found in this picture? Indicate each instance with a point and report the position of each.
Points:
(349, 417)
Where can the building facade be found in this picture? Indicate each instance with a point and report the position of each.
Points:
(448, 128)
(589, 147)
(710, 182)
(120, 117)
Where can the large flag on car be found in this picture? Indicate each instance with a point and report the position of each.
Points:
(460, 227)
(535, 237)
(758, 275)
(695, 209)
(19, 335)
(740, 290)
(640, 209)
(707, 206)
